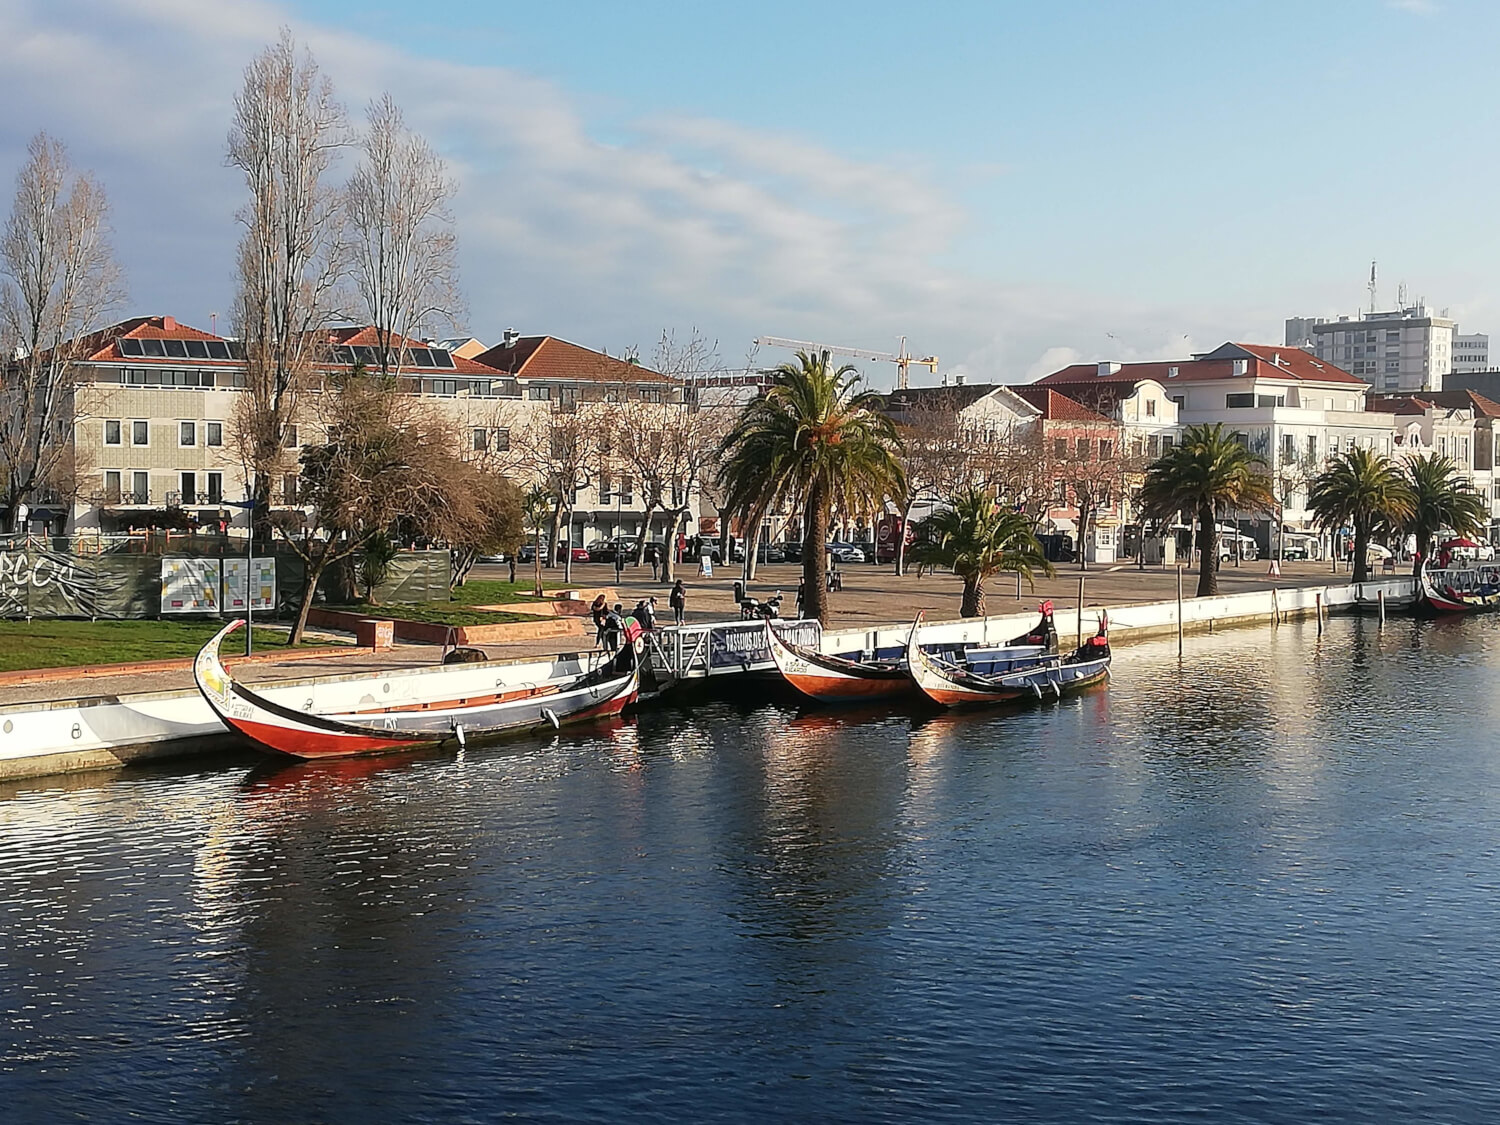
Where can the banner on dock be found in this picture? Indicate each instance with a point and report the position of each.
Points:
(738, 646)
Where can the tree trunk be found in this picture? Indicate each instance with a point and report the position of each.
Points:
(814, 564)
(312, 574)
(901, 537)
(752, 549)
(1424, 545)
(552, 550)
(640, 540)
(669, 548)
(260, 510)
(567, 552)
(973, 603)
(1208, 548)
(536, 560)
(1361, 551)
(1083, 534)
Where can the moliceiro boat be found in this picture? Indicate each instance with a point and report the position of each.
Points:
(439, 716)
(954, 685)
(1460, 590)
(837, 678)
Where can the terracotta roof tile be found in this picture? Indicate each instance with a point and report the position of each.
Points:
(1265, 362)
(547, 357)
(1056, 407)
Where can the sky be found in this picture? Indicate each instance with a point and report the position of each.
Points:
(1012, 186)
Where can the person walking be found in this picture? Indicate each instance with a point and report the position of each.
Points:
(655, 554)
(619, 563)
(599, 611)
(512, 566)
(678, 601)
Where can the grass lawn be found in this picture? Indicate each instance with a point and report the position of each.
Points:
(66, 644)
(486, 592)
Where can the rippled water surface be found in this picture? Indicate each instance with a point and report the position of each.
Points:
(1260, 887)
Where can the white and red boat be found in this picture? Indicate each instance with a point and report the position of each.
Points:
(954, 685)
(838, 678)
(438, 715)
(1473, 589)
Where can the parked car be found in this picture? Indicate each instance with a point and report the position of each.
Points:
(603, 550)
(1295, 546)
(495, 558)
(791, 552)
(847, 552)
(527, 553)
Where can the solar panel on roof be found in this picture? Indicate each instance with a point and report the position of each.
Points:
(176, 349)
(196, 349)
(152, 347)
(422, 357)
(442, 358)
(129, 347)
(218, 349)
(365, 355)
(236, 350)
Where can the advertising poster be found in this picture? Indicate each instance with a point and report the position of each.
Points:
(264, 585)
(189, 585)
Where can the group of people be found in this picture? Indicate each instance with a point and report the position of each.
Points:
(609, 621)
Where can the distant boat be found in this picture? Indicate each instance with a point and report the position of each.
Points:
(1465, 590)
(954, 685)
(830, 678)
(436, 718)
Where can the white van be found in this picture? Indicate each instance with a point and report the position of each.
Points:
(1249, 552)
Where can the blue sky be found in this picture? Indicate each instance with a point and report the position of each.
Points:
(1013, 186)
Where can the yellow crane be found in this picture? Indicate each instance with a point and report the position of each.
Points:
(902, 359)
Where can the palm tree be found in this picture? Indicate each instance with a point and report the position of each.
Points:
(814, 436)
(1440, 498)
(977, 538)
(1207, 471)
(1363, 490)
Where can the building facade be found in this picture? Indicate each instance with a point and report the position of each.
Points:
(1404, 350)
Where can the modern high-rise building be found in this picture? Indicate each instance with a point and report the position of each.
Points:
(1471, 353)
(1408, 349)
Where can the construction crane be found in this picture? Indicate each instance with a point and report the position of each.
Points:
(901, 359)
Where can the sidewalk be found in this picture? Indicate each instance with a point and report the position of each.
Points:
(872, 596)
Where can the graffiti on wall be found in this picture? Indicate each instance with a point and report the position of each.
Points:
(46, 583)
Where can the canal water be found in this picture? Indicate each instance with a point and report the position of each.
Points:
(1262, 886)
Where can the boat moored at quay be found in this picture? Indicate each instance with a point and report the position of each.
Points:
(441, 716)
(1473, 589)
(850, 677)
(953, 685)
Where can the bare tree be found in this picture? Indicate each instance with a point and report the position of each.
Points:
(401, 241)
(287, 128)
(386, 461)
(940, 453)
(60, 282)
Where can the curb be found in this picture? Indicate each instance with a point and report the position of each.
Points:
(24, 676)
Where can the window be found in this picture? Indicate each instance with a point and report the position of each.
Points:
(289, 488)
(1288, 447)
(604, 482)
(1239, 401)
(1059, 492)
(540, 394)
(112, 486)
(140, 488)
(214, 434)
(289, 439)
(140, 433)
(1270, 400)
(189, 491)
(626, 485)
(502, 441)
(1150, 408)
(215, 488)
(187, 434)
(1060, 447)
(481, 440)
(1106, 449)
(650, 394)
(111, 433)
(1180, 400)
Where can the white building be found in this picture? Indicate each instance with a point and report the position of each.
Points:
(1471, 353)
(1290, 408)
(1409, 349)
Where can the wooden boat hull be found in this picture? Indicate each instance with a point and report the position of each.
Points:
(282, 730)
(951, 686)
(1441, 597)
(835, 679)
(832, 679)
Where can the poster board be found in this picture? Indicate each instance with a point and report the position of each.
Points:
(189, 585)
(264, 584)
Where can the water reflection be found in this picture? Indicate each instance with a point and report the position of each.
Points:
(1257, 885)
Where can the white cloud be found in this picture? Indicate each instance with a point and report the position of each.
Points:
(687, 222)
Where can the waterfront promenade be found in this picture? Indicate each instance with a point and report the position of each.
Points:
(871, 596)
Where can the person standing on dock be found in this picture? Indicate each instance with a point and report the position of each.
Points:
(599, 611)
(678, 601)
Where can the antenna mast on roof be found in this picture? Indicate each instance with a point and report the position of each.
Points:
(1372, 288)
